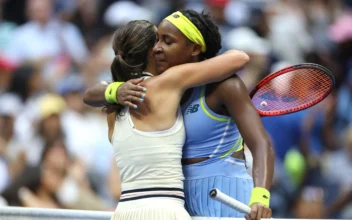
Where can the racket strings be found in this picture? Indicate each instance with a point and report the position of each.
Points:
(305, 86)
(292, 90)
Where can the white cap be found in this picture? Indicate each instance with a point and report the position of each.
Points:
(245, 39)
(122, 12)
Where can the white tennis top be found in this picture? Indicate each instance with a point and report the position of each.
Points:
(148, 159)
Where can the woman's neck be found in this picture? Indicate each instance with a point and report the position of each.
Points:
(151, 68)
(151, 72)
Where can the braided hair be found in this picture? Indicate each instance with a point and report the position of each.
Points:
(210, 31)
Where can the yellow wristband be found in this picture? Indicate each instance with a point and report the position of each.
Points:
(111, 92)
(260, 195)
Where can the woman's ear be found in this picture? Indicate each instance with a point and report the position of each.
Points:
(196, 50)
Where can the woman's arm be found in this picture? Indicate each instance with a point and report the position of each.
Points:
(182, 76)
(129, 94)
(233, 94)
(196, 74)
(94, 96)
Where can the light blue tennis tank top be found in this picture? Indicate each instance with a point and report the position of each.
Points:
(208, 134)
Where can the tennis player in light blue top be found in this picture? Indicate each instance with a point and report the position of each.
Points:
(216, 137)
(218, 118)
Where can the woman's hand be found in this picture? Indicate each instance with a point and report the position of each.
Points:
(258, 211)
(130, 93)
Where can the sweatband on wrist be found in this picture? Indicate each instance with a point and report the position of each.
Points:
(260, 195)
(111, 92)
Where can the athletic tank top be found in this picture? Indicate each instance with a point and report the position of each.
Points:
(148, 159)
(208, 134)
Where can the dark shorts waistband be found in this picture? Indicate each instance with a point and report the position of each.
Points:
(129, 195)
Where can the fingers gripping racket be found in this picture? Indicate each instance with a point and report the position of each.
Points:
(292, 89)
(229, 201)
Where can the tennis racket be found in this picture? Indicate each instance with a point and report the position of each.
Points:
(292, 89)
(229, 201)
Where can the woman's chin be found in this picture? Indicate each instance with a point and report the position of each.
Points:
(161, 67)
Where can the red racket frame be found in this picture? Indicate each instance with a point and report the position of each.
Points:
(287, 70)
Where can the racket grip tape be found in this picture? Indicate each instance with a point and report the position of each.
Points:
(231, 202)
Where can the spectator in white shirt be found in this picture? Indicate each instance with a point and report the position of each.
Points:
(47, 40)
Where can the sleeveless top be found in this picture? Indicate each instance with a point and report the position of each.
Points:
(149, 161)
(208, 134)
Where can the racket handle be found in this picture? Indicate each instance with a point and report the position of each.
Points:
(231, 202)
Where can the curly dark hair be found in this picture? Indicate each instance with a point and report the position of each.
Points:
(207, 27)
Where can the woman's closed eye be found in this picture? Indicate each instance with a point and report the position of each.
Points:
(168, 42)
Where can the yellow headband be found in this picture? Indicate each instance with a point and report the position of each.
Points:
(187, 28)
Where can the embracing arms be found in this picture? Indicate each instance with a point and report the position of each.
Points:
(205, 72)
(185, 76)
(128, 93)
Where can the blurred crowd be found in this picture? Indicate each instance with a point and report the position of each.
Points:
(54, 150)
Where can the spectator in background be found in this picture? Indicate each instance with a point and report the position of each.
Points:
(56, 181)
(217, 9)
(76, 191)
(97, 67)
(337, 169)
(320, 14)
(85, 17)
(45, 40)
(119, 13)
(6, 31)
(47, 126)
(26, 84)
(12, 153)
(80, 138)
(340, 117)
(341, 33)
(245, 39)
(259, 22)
(343, 107)
(288, 31)
(86, 144)
(38, 185)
